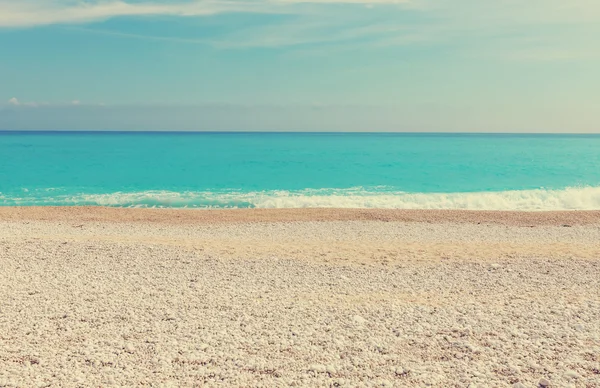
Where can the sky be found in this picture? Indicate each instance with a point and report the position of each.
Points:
(300, 65)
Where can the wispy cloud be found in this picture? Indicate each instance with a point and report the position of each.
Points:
(296, 33)
(497, 29)
(27, 13)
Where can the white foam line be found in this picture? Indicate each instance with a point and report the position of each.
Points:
(574, 198)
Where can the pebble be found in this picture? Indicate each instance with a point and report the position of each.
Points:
(571, 374)
(133, 320)
(544, 383)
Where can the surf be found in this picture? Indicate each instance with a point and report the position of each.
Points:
(570, 198)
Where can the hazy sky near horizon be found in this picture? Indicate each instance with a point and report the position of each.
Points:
(331, 65)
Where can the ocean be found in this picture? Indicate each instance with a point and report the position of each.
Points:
(296, 170)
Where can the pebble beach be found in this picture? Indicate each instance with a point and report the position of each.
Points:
(95, 297)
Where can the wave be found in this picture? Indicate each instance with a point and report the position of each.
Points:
(573, 198)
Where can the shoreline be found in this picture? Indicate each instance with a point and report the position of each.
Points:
(210, 216)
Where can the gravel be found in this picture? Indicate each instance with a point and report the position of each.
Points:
(80, 309)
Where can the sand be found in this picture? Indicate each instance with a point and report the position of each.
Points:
(183, 216)
(136, 297)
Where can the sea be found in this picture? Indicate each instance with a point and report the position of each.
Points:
(299, 170)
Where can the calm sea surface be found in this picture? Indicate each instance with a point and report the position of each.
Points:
(266, 170)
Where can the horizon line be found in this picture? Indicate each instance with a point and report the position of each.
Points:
(108, 131)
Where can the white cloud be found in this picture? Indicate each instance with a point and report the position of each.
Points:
(15, 102)
(31, 104)
(35, 104)
(27, 13)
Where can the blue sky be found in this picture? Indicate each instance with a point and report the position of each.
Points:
(385, 65)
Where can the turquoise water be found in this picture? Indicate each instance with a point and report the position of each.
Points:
(266, 170)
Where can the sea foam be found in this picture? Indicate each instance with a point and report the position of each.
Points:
(574, 198)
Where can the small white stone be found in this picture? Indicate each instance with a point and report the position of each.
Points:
(318, 368)
(358, 319)
(129, 348)
(518, 385)
(571, 374)
(330, 369)
(514, 369)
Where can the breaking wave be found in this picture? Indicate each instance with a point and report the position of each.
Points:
(573, 198)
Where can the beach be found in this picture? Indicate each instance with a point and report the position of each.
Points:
(94, 296)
